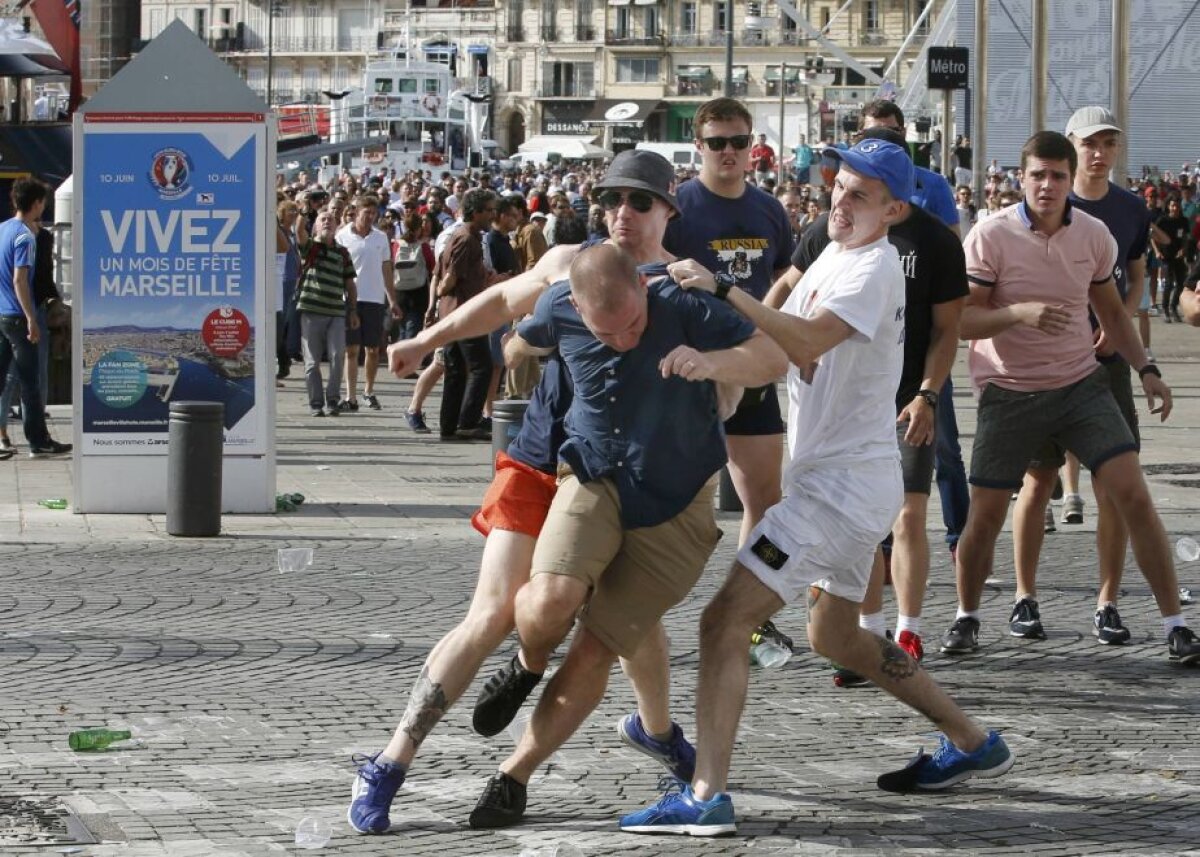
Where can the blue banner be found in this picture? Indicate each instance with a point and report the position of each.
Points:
(168, 281)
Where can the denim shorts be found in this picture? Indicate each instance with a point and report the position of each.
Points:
(1014, 428)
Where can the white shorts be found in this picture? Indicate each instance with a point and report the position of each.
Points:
(825, 530)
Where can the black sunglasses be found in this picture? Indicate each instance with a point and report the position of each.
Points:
(718, 144)
(638, 200)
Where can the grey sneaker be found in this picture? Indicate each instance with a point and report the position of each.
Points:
(1108, 628)
(1050, 526)
(1072, 509)
(1026, 621)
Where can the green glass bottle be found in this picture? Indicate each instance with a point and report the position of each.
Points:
(96, 739)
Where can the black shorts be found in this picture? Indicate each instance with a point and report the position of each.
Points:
(1013, 428)
(757, 413)
(916, 463)
(1052, 456)
(370, 326)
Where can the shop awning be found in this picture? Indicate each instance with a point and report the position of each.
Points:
(740, 73)
(620, 112)
(693, 72)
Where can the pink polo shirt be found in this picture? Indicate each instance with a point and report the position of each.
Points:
(1019, 264)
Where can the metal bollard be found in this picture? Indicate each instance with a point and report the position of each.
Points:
(727, 498)
(194, 455)
(507, 416)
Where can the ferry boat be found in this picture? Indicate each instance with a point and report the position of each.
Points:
(415, 117)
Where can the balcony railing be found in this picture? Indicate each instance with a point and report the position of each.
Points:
(631, 37)
(548, 33)
(872, 37)
(585, 34)
(741, 38)
(515, 33)
(253, 42)
(549, 90)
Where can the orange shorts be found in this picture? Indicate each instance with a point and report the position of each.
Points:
(517, 500)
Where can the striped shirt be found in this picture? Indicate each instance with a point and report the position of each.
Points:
(326, 280)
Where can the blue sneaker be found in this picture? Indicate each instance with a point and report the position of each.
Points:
(950, 765)
(374, 788)
(677, 755)
(680, 811)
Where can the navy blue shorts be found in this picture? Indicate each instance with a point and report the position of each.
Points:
(757, 413)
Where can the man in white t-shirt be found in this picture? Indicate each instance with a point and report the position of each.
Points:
(842, 329)
(372, 256)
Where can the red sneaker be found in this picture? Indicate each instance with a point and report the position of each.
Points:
(911, 643)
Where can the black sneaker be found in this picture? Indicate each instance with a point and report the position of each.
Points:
(372, 402)
(318, 412)
(348, 405)
(334, 409)
(1182, 646)
(768, 631)
(962, 638)
(50, 448)
(1108, 628)
(502, 803)
(477, 433)
(1026, 621)
(502, 697)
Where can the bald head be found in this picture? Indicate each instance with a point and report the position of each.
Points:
(608, 293)
(602, 277)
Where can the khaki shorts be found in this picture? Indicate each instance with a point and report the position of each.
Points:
(634, 576)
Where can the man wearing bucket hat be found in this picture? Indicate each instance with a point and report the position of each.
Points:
(843, 333)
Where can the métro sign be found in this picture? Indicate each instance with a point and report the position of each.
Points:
(948, 68)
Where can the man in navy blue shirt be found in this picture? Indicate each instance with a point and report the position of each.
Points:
(19, 330)
(631, 527)
(734, 228)
(635, 194)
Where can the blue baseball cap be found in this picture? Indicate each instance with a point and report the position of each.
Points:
(879, 159)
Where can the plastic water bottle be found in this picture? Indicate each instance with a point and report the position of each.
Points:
(1187, 549)
(96, 739)
(53, 503)
(313, 833)
(769, 654)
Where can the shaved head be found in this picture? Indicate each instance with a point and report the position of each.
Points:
(602, 277)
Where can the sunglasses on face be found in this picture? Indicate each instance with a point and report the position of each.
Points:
(638, 200)
(718, 144)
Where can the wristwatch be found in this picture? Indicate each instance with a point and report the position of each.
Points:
(724, 282)
(1149, 369)
(930, 397)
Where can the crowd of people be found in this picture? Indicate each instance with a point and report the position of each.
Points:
(647, 313)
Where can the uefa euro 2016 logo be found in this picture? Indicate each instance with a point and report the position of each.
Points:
(170, 173)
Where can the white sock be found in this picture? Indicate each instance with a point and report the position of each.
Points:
(966, 614)
(907, 623)
(876, 623)
(1170, 623)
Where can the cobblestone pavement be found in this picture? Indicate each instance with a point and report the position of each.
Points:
(250, 689)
